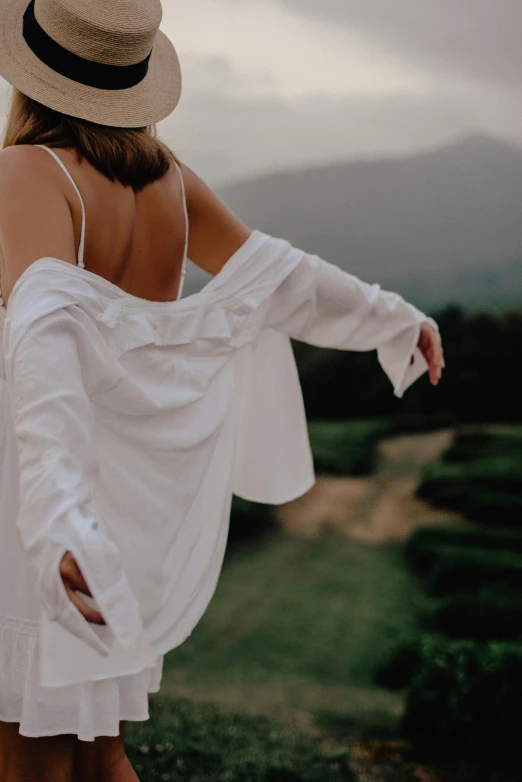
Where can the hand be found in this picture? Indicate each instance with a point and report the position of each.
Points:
(430, 345)
(73, 580)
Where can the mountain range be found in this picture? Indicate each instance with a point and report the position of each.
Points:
(440, 227)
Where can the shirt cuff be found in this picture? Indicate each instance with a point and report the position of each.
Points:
(99, 561)
(401, 358)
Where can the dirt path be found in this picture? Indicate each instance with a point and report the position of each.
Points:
(377, 509)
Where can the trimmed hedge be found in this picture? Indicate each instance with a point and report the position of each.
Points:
(485, 492)
(482, 445)
(496, 507)
(480, 476)
(492, 615)
(469, 570)
(427, 544)
(466, 696)
(397, 672)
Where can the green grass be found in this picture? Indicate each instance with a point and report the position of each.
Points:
(345, 447)
(287, 649)
(199, 743)
(312, 612)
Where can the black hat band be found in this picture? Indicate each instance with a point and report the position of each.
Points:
(94, 74)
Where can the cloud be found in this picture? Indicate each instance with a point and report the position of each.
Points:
(478, 39)
(217, 74)
(282, 53)
(283, 83)
(291, 83)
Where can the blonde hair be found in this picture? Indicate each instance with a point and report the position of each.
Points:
(133, 156)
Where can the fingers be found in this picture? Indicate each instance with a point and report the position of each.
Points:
(430, 345)
(434, 359)
(70, 571)
(90, 614)
(73, 580)
(439, 359)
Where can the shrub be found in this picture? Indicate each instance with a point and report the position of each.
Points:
(345, 447)
(397, 672)
(420, 423)
(466, 695)
(428, 543)
(249, 521)
(484, 490)
(492, 615)
(465, 571)
(496, 507)
(424, 558)
(482, 445)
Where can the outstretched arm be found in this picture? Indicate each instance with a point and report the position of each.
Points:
(320, 303)
(323, 305)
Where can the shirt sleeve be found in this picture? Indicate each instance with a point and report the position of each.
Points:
(54, 426)
(323, 305)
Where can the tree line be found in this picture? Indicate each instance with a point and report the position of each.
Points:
(482, 380)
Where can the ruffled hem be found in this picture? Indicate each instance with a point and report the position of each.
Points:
(88, 710)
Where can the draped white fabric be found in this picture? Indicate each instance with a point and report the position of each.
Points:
(134, 422)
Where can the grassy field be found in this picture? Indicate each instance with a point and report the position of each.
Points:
(289, 646)
(199, 742)
(311, 613)
(278, 681)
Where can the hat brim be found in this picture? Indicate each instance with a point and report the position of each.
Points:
(148, 102)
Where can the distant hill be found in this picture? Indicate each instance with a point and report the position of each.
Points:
(442, 226)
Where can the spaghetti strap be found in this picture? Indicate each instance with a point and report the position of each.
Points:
(80, 261)
(183, 267)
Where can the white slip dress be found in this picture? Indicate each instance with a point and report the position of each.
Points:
(88, 709)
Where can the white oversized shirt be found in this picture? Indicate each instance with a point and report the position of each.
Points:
(135, 422)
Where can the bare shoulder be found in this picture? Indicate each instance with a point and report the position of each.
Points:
(195, 187)
(216, 232)
(21, 159)
(19, 155)
(26, 171)
(35, 217)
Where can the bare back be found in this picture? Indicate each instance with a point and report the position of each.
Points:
(134, 240)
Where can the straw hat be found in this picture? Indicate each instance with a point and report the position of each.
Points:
(101, 60)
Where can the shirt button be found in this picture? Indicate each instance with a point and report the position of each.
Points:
(95, 525)
(48, 455)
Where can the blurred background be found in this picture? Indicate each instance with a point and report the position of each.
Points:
(373, 628)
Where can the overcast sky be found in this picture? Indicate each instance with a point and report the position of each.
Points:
(271, 84)
(277, 83)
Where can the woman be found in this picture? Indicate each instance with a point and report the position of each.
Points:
(129, 416)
